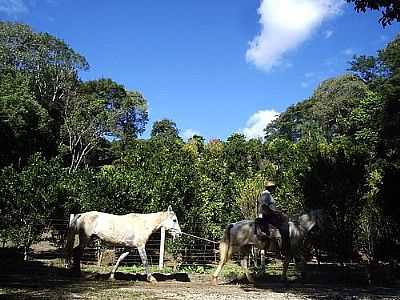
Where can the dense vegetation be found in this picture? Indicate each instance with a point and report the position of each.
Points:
(70, 145)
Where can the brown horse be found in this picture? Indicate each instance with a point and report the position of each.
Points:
(241, 236)
(131, 230)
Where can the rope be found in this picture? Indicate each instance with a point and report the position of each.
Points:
(197, 237)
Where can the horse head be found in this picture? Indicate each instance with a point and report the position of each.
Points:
(314, 218)
(171, 223)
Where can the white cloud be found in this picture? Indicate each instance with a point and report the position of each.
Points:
(257, 122)
(13, 7)
(328, 34)
(188, 133)
(285, 24)
(348, 52)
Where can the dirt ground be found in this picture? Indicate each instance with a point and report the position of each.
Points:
(37, 280)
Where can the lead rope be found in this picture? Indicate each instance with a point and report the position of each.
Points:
(195, 236)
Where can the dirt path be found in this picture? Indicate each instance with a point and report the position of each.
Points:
(198, 288)
(36, 280)
(205, 291)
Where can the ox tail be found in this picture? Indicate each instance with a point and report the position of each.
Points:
(225, 251)
(71, 231)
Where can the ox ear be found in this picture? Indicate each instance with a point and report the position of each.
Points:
(169, 208)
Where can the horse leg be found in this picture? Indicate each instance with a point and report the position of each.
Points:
(300, 265)
(143, 256)
(262, 257)
(244, 264)
(69, 248)
(286, 262)
(121, 258)
(225, 254)
(78, 252)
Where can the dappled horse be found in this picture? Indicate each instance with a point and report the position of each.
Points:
(129, 231)
(242, 235)
(239, 237)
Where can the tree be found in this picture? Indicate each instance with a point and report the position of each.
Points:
(382, 74)
(165, 128)
(29, 198)
(86, 121)
(50, 66)
(249, 191)
(334, 100)
(129, 108)
(390, 9)
(290, 124)
(100, 109)
(195, 145)
(53, 66)
(24, 123)
(335, 181)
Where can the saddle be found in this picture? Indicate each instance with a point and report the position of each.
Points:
(265, 230)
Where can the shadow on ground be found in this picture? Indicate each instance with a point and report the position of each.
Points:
(182, 277)
(329, 282)
(41, 280)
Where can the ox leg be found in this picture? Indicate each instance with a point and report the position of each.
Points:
(143, 256)
(121, 258)
(244, 264)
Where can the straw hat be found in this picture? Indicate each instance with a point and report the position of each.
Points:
(269, 183)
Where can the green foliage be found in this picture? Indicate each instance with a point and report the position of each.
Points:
(24, 123)
(29, 199)
(248, 193)
(128, 109)
(50, 69)
(101, 108)
(389, 8)
(338, 150)
(165, 128)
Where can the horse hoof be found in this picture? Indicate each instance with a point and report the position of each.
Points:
(76, 272)
(151, 279)
(214, 280)
(251, 279)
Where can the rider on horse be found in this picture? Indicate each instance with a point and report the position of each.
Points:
(271, 216)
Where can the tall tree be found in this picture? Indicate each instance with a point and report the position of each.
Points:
(101, 109)
(24, 123)
(390, 9)
(382, 74)
(129, 107)
(165, 128)
(50, 65)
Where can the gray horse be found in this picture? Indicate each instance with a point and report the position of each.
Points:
(129, 231)
(241, 236)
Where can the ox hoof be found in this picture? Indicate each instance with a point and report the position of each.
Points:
(111, 278)
(151, 279)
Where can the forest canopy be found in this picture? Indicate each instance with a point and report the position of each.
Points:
(70, 145)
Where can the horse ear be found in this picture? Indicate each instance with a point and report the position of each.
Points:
(169, 208)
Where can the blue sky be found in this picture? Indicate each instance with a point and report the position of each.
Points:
(213, 67)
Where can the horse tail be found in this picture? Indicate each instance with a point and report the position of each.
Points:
(225, 251)
(225, 247)
(71, 231)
